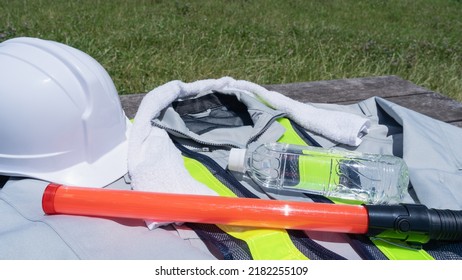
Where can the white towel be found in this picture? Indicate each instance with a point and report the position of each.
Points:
(156, 165)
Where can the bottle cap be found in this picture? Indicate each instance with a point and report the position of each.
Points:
(236, 160)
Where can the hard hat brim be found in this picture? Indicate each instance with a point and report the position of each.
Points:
(105, 170)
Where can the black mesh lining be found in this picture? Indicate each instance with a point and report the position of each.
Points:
(310, 248)
(365, 248)
(230, 247)
(444, 250)
(212, 111)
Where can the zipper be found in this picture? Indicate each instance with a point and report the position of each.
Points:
(229, 145)
(176, 132)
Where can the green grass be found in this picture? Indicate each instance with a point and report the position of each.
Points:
(143, 44)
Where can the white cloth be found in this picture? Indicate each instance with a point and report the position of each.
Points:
(155, 164)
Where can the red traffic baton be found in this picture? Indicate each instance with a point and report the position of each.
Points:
(410, 222)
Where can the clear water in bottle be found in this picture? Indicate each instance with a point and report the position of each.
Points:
(370, 178)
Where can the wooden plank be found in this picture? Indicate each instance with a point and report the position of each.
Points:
(458, 124)
(331, 91)
(335, 91)
(433, 105)
(130, 103)
(347, 91)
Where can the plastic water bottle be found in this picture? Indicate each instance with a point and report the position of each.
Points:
(285, 168)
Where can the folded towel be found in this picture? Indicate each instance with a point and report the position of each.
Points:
(156, 165)
(341, 127)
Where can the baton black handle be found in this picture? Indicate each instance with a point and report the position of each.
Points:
(414, 223)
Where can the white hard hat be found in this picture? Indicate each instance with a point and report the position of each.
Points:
(60, 115)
